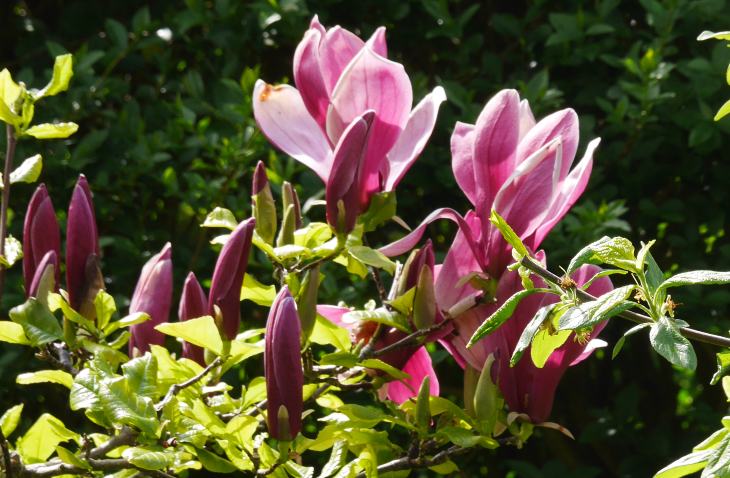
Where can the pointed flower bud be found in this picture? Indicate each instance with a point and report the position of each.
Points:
(40, 236)
(153, 295)
(307, 305)
(83, 276)
(44, 280)
(283, 367)
(424, 304)
(289, 197)
(264, 207)
(342, 194)
(225, 289)
(423, 409)
(193, 304)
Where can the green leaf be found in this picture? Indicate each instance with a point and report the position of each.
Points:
(343, 359)
(220, 217)
(654, 278)
(603, 273)
(208, 418)
(327, 333)
(313, 235)
(125, 408)
(381, 315)
(712, 441)
(446, 468)
(12, 333)
(631, 331)
(670, 344)
(586, 256)
(10, 419)
(404, 303)
(85, 390)
(259, 293)
(105, 308)
(389, 369)
(242, 428)
(501, 315)
(241, 461)
(45, 376)
(686, 465)
(641, 256)
(545, 343)
(151, 457)
(50, 130)
(617, 251)
(56, 301)
(41, 439)
(372, 258)
(706, 35)
(62, 73)
(214, 463)
(39, 324)
(202, 332)
(696, 278)
(604, 307)
(337, 460)
(508, 234)
(113, 356)
(721, 113)
(718, 463)
(28, 171)
(465, 438)
(530, 331)
(723, 367)
(382, 207)
(298, 471)
(128, 321)
(13, 251)
(67, 457)
(141, 376)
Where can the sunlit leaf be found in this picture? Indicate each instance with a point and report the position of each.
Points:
(201, 332)
(45, 376)
(50, 130)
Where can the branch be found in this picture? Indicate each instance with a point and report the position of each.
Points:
(268, 470)
(63, 362)
(632, 316)
(126, 437)
(47, 470)
(178, 387)
(411, 340)
(6, 456)
(407, 463)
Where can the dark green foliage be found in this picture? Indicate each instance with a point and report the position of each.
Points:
(166, 135)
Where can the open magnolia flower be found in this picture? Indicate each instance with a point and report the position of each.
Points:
(339, 78)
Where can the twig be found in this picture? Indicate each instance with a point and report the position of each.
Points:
(314, 264)
(126, 437)
(12, 141)
(412, 339)
(6, 456)
(178, 387)
(632, 316)
(63, 362)
(47, 470)
(268, 470)
(376, 275)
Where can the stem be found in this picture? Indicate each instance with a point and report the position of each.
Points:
(178, 387)
(12, 141)
(411, 340)
(7, 467)
(632, 316)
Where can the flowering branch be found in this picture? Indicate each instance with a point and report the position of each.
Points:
(632, 316)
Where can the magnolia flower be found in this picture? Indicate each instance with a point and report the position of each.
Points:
(225, 288)
(83, 276)
(193, 305)
(153, 295)
(283, 368)
(339, 78)
(41, 241)
(526, 388)
(517, 167)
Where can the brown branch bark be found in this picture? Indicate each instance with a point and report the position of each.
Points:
(12, 142)
(178, 387)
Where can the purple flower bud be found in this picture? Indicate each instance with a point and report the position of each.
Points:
(40, 236)
(193, 304)
(153, 295)
(225, 289)
(342, 193)
(49, 260)
(283, 365)
(83, 277)
(289, 196)
(260, 179)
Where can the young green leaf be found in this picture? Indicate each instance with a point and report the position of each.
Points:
(641, 256)
(39, 324)
(150, 457)
(530, 331)
(50, 131)
(696, 278)
(10, 419)
(718, 463)
(41, 439)
(62, 73)
(670, 344)
(220, 217)
(214, 463)
(28, 171)
(631, 331)
(423, 411)
(12, 333)
(545, 343)
(67, 457)
(686, 465)
(128, 321)
(327, 333)
(603, 273)
(389, 369)
(586, 256)
(591, 313)
(382, 207)
(256, 292)
(617, 251)
(712, 441)
(342, 359)
(45, 376)
(372, 258)
(141, 375)
(56, 301)
(381, 315)
(501, 315)
(123, 407)
(202, 332)
(337, 460)
(105, 308)
(508, 234)
(654, 277)
(723, 367)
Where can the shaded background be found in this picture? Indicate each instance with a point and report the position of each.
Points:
(166, 134)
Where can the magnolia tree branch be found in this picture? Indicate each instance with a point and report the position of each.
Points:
(7, 467)
(63, 362)
(47, 470)
(410, 340)
(12, 141)
(178, 387)
(632, 316)
(126, 437)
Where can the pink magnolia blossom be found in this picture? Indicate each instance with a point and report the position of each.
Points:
(526, 388)
(519, 168)
(339, 78)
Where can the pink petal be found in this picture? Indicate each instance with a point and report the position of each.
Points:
(371, 82)
(570, 191)
(408, 242)
(447, 343)
(462, 159)
(377, 42)
(308, 77)
(411, 142)
(333, 314)
(314, 24)
(562, 124)
(418, 367)
(592, 345)
(495, 142)
(459, 262)
(285, 121)
(337, 50)
(527, 120)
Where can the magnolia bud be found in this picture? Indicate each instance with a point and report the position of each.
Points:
(423, 408)
(424, 304)
(193, 305)
(289, 197)
(264, 207)
(40, 236)
(307, 305)
(288, 226)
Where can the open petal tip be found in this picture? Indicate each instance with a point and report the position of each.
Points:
(377, 42)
